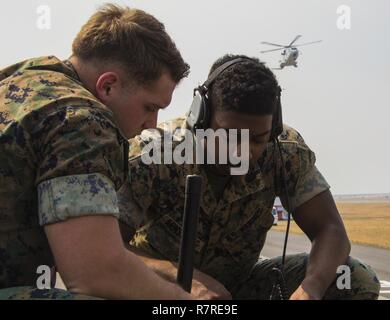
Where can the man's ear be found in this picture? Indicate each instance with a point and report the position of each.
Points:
(105, 85)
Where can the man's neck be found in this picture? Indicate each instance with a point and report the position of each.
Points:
(86, 73)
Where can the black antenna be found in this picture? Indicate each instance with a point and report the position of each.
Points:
(188, 236)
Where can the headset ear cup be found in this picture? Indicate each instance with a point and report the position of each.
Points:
(195, 114)
(200, 111)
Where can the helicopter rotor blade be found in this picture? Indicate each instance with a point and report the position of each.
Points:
(271, 50)
(273, 44)
(296, 38)
(305, 44)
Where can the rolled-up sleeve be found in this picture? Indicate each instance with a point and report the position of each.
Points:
(303, 179)
(309, 185)
(83, 163)
(72, 196)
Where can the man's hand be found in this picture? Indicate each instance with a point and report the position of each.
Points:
(204, 287)
(302, 294)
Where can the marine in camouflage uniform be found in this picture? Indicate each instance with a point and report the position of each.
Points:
(61, 156)
(232, 229)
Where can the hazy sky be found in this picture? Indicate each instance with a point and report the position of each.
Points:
(338, 97)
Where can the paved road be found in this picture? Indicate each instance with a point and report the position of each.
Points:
(377, 258)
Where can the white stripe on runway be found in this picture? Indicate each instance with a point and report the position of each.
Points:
(385, 285)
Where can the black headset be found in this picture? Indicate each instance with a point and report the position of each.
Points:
(198, 117)
(200, 112)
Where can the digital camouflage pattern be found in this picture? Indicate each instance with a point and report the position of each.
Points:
(31, 293)
(64, 197)
(258, 285)
(232, 231)
(61, 155)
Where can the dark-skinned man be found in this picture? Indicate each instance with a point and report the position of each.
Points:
(235, 213)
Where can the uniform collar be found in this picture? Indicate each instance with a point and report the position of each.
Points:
(75, 75)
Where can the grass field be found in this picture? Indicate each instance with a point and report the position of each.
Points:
(366, 223)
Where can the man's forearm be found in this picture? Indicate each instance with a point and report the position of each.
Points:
(130, 278)
(164, 268)
(92, 260)
(204, 286)
(330, 249)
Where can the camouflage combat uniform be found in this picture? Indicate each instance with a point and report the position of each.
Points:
(61, 156)
(231, 230)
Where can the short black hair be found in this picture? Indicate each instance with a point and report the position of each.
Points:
(246, 87)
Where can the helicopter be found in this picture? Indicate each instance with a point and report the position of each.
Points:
(290, 53)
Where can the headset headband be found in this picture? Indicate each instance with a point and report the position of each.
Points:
(219, 70)
(199, 113)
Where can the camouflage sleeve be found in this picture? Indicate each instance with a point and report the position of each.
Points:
(82, 162)
(131, 214)
(153, 189)
(143, 178)
(304, 181)
(76, 195)
(147, 181)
